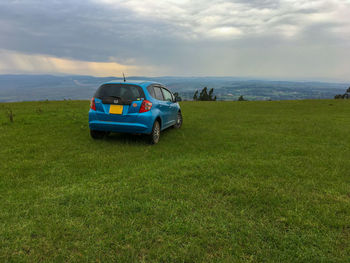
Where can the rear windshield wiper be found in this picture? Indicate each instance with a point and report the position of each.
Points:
(113, 97)
(106, 97)
(112, 100)
(122, 100)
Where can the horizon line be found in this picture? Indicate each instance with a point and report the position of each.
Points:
(311, 79)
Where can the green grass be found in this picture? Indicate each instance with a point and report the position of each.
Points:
(239, 182)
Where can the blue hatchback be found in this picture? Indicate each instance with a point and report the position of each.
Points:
(133, 107)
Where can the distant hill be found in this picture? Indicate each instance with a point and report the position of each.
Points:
(42, 87)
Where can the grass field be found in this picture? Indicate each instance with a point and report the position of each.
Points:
(239, 182)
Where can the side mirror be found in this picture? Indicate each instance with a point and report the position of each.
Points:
(177, 99)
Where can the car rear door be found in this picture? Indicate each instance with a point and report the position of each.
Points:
(118, 102)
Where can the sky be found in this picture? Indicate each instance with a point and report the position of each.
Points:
(292, 39)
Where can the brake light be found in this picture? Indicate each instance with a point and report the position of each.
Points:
(92, 104)
(145, 106)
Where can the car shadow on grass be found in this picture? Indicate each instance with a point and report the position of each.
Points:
(127, 138)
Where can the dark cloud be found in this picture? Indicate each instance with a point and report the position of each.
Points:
(180, 37)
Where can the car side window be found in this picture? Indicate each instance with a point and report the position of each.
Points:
(151, 91)
(158, 93)
(167, 95)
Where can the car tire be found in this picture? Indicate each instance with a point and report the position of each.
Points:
(155, 134)
(178, 123)
(97, 134)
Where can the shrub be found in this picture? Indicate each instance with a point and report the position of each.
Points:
(241, 98)
(10, 115)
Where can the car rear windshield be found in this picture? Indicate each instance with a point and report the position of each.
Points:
(126, 92)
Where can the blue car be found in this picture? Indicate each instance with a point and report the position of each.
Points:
(142, 107)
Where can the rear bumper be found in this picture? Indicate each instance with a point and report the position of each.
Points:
(118, 127)
(131, 124)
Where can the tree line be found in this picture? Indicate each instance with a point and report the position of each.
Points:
(204, 95)
(346, 95)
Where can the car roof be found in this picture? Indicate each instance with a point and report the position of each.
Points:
(142, 83)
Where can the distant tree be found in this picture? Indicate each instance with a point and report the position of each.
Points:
(204, 95)
(338, 96)
(348, 90)
(211, 91)
(195, 96)
(241, 98)
(177, 97)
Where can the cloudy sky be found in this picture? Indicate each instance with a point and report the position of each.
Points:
(249, 38)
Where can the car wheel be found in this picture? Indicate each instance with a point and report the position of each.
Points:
(155, 134)
(97, 134)
(178, 123)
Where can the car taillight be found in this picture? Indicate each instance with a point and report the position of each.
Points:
(92, 104)
(145, 106)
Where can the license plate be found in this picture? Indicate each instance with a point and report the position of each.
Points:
(116, 109)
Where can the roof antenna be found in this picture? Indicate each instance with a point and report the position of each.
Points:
(124, 77)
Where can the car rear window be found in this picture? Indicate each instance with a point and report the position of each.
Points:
(126, 92)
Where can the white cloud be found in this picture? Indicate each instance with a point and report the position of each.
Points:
(225, 31)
